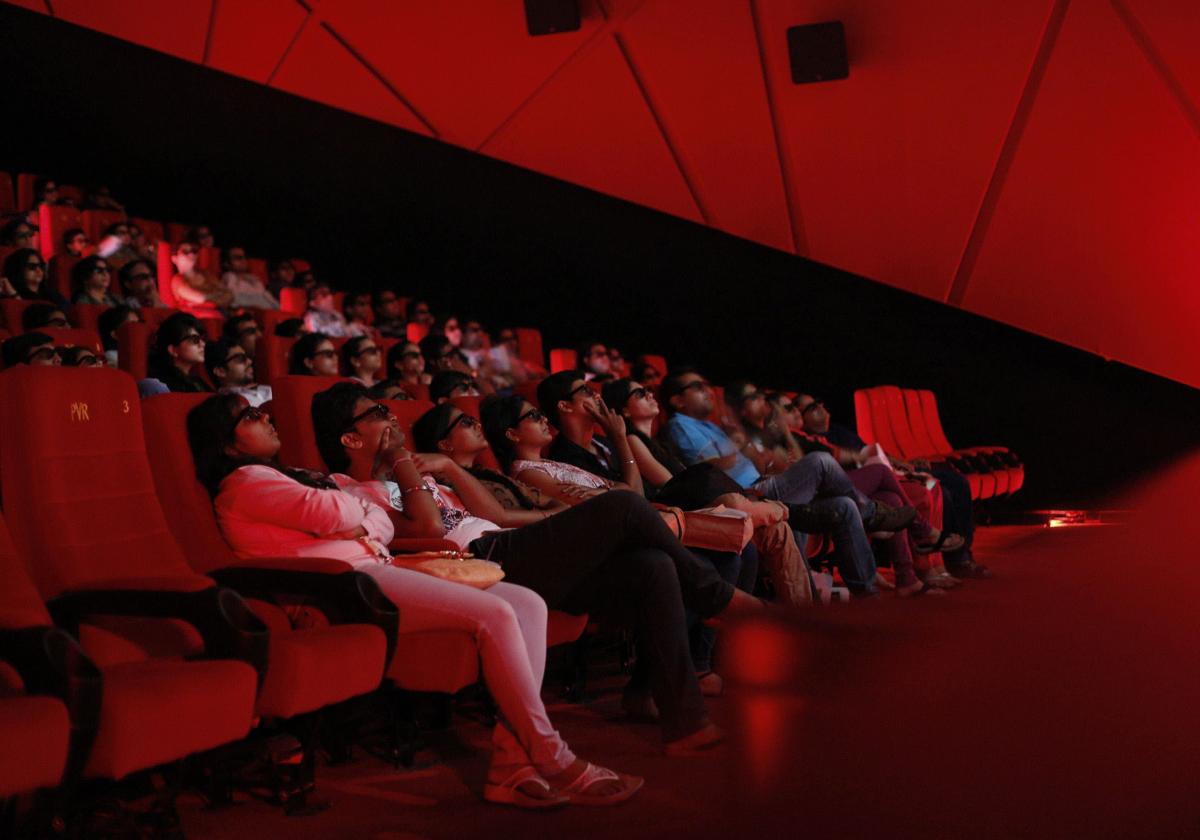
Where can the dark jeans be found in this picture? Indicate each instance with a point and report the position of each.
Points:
(612, 556)
(957, 511)
(739, 569)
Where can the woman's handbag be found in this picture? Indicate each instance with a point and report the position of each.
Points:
(456, 566)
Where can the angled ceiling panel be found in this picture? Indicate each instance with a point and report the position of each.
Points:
(320, 68)
(704, 79)
(178, 28)
(889, 166)
(249, 37)
(1173, 31)
(32, 5)
(1094, 237)
(590, 125)
(464, 67)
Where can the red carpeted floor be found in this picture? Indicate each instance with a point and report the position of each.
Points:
(1058, 700)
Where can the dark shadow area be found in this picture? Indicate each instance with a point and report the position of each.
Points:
(373, 205)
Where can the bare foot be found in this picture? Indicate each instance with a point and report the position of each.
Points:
(699, 741)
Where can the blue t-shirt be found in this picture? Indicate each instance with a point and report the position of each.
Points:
(703, 440)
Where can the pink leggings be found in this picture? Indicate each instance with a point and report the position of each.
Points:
(878, 483)
(508, 624)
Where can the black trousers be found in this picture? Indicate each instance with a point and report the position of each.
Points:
(613, 557)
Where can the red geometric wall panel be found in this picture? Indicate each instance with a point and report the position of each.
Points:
(465, 67)
(1036, 161)
(1094, 238)
(590, 125)
(318, 67)
(703, 78)
(888, 166)
(178, 27)
(249, 37)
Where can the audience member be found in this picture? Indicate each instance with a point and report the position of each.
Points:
(99, 197)
(17, 233)
(201, 235)
(281, 274)
(362, 360)
(290, 328)
(450, 328)
(388, 389)
(31, 348)
(79, 357)
(594, 362)
(356, 307)
(41, 316)
(26, 273)
(246, 288)
(406, 364)
(419, 313)
(389, 314)
(244, 331)
(617, 366)
(448, 384)
(108, 323)
(507, 362)
(575, 410)
(75, 242)
(313, 355)
(142, 245)
(231, 369)
(90, 281)
(644, 373)
(177, 351)
(322, 315)
(45, 191)
(117, 244)
(266, 510)
(196, 291)
(139, 285)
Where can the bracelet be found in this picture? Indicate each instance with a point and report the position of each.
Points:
(420, 488)
(407, 460)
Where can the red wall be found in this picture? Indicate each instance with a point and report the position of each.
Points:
(1034, 161)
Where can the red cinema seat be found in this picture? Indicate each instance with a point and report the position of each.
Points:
(8, 198)
(269, 319)
(408, 412)
(95, 222)
(10, 311)
(25, 191)
(82, 511)
(165, 270)
(53, 221)
(999, 456)
(416, 390)
(293, 301)
(86, 316)
(563, 359)
(271, 357)
(659, 363)
(153, 230)
(292, 412)
(58, 274)
(307, 668)
(415, 332)
(209, 261)
(35, 726)
(77, 337)
(529, 347)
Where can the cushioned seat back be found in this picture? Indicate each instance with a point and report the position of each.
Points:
(893, 402)
(165, 270)
(292, 412)
(152, 230)
(11, 309)
(916, 422)
(271, 358)
(186, 503)
(529, 347)
(20, 603)
(659, 363)
(95, 222)
(881, 422)
(86, 316)
(407, 412)
(133, 347)
(76, 483)
(415, 331)
(77, 338)
(53, 221)
(293, 301)
(862, 416)
(933, 422)
(8, 199)
(58, 275)
(563, 359)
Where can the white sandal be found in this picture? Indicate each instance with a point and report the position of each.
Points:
(577, 793)
(509, 791)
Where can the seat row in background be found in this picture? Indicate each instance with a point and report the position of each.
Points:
(123, 608)
(906, 422)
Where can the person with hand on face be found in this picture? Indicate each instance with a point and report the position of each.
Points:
(177, 351)
(575, 410)
(91, 278)
(406, 364)
(769, 443)
(247, 289)
(389, 314)
(313, 355)
(25, 271)
(362, 359)
(139, 286)
(31, 348)
(232, 370)
(196, 291)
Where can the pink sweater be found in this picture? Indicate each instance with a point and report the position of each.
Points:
(263, 513)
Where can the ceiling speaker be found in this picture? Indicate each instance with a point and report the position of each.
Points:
(548, 17)
(818, 52)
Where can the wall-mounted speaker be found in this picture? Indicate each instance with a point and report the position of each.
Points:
(818, 52)
(548, 17)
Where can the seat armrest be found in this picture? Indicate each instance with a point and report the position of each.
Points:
(225, 622)
(344, 595)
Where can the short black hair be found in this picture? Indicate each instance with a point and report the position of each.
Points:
(125, 273)
(555, 387)
(431, 427)
(332, 411)
(444, 382)
(289, 327)
(37, 315)
(109, 321)
(233, 326)
(304, 348)
(215, 354)
(15, 351)
(672, 385)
